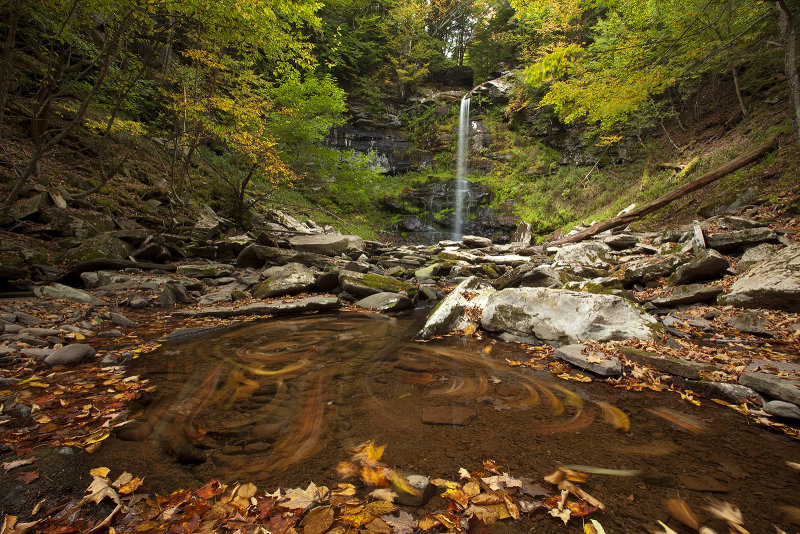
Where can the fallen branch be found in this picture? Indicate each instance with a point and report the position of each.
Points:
(729, 167)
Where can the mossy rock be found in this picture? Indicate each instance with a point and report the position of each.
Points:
(101, 246)
(364, 285)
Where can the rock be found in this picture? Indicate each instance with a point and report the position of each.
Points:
(740, 239)
(706, 265)
(288, 279)
(755, 255)
(506, 259)
(447, 415)
(561, 316)
(12, 272)
(773, 283)
(26, 318)
(666, 363)
(691, 294)
(621, 241)
(594, 362)
(772, 385)
(450, 313)
(70, 354)
(120, 320)
(514, 277)
(327, 244)
(152, 252)
(29, 206)
(103, 245)
(474, 241)
(589, 253)
(649, 269)
(37, 354)
(386, 302)
(60, 291)
(786, 410)
(523, 234)
(257, 256)
(428, 272)
(363, 285)
(544, 276)
(208, 225)
(139, 303)
(266, 308)
(736, 223)
(750, 322)
(424, 490)
(733, 393)
(222, 294)
(205, 270)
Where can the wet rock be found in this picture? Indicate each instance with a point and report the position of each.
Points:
(594, 362)
(447, 415)
(386, 302)
(666, 363)
(70, 354)
(266, 308)
(589, 253)
(288, 279)
(755, 255)
(733, 393)
(139, 303)
(772, 385)
(773, 283)
(450, 313)
(37, 354)
(60, 291)
(786, 410)
(205, 270)
(327, 244)
(12, 272)
(740, 239)
(621, 241)
(364, 285)
(565, 317)
(706, 265)
(474, 241)
(424, 490)
(690, 294)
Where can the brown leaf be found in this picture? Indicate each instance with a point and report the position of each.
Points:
(8, 466)
(28, 476)
(377, 508)
(680, 510)
(404, 523)
(318, 520)
(378, 526)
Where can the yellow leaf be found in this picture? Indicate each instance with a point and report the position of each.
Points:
(100, 472)
(79, 336)
(377, 508)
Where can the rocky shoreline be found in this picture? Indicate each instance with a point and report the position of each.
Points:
(710, 308)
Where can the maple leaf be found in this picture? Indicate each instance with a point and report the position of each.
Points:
(303, 499)
(403, 523)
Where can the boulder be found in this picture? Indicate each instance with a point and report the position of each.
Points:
(208, 225)
(690, 294)
(102, 245)
(327, 244)
(751, 323)
(589, 253)
(451, 313)
(70, 354)
(205, 270)
(740, 239)
(385, 302)
(621, 241)
(523, 234)
(288, 279)
(60, 291)
(475, 241)
(774, 283)
(594, 362)
(29, 206)
(666, 363)
(560, 316)
(706, 265)
(648, 269)
(362, 285)
(786, 410)
(755, 255)
(265, 308)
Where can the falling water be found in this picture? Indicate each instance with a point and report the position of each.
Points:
(462, 185)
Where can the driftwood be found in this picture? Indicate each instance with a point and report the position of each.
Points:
(729, 167)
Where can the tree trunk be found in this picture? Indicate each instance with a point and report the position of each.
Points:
(786, 22)
(8, 49)
(733, 165)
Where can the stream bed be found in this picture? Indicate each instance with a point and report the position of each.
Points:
(280, 402)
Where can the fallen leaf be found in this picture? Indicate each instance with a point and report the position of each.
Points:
(502, 482)
(8, 466)
(404, 523)
(378, 526)
(383, 494)
(561, 514)
(680, 510)
(614, 416)
(302, 499)
(28, 476)
(666, 530)
(317, 520)
(729, 513)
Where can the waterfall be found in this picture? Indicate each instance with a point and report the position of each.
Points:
(461, 184)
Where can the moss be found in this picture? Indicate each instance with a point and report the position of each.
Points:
(386, 283)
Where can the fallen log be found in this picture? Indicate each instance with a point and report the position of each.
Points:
(729, 167)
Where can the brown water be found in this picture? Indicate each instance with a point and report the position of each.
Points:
(279, 402)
